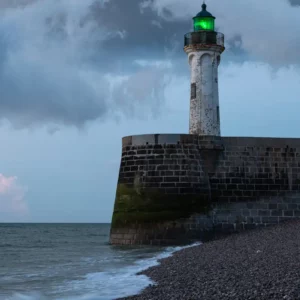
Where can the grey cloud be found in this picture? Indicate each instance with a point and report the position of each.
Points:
(4, 4)
(256, 22)
(41, 77)
(294, 2)
(148, 35)
(70, 64)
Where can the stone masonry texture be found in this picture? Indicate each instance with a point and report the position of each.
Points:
(178, 188)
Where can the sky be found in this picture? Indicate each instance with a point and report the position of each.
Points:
(77, 76)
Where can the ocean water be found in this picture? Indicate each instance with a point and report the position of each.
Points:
(70, 262)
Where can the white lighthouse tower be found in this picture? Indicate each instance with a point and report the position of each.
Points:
(204, 47)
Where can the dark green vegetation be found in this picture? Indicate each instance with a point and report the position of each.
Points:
(147, 205)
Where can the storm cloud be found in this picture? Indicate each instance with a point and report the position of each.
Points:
(266, 30)
(56, 67)
(294, 2)
(68, 62)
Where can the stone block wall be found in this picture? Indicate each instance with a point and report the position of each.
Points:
(256, 183)
(176, 188)
(161, 179)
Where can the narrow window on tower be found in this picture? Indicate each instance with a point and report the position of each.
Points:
(193, 90)
(218, 114)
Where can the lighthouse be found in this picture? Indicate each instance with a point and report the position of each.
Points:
(204, 47)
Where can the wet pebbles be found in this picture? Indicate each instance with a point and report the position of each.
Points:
(258, 264)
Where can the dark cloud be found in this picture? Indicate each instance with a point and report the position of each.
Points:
(71, 63)
(294, 2)
(41, 77)
(256, 23)
(146, 34)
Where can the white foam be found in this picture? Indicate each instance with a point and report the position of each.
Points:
(112, 284)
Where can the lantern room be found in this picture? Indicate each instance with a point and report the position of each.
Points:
(204, 20)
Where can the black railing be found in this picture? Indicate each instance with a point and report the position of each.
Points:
(204, 37)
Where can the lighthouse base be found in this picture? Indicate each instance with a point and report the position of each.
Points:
(178, 188)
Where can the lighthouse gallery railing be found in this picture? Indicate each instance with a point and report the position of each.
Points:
(204, 37)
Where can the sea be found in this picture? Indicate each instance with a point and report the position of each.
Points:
(71, 262)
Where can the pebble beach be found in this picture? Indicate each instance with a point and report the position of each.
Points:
(257, 264)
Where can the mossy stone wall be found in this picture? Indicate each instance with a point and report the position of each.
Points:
(162, 179)
(175, 188)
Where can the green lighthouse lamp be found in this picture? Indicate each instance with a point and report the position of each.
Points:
(204, 20)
